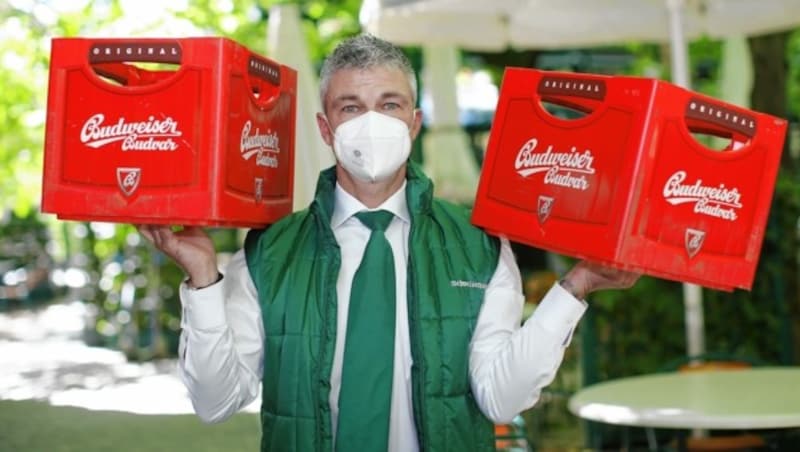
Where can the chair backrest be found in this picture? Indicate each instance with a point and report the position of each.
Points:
(711, 361)
(702, 366)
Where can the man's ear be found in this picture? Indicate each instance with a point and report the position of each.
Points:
(325, 129)
(416, 123)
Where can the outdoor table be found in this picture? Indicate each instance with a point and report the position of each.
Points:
(756, 398)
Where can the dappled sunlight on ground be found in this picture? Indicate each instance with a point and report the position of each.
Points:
(42, 357)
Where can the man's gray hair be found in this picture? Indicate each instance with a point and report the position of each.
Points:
(365, 52)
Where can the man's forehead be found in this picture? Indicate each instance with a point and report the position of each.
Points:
(382, 81)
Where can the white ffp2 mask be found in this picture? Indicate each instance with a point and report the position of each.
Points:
(372, 146)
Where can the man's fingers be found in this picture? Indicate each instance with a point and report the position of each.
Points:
(633, 278)
(146, 231)
(592, 276)
(163, 237)
(190, 231)
(624, 279)
(159, 235)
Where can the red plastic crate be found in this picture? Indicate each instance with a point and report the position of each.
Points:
(206, 140)
(627, 183)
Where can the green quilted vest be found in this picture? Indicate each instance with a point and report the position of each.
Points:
(294, 264)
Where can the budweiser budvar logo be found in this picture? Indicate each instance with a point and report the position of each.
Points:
(564, 168)
(719, 201)
(151, 135)
(264, 146)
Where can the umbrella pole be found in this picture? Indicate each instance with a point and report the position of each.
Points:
(447, 157)
(692, 293)
(678, 47)
(287, 43)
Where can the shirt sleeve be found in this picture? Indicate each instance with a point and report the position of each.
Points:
(221, 343)
(509, 363)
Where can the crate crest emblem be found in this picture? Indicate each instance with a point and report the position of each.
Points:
(544, 207)
(693, 240)
(258, 189)
(570, 169)
(128, 179)
(264, 146)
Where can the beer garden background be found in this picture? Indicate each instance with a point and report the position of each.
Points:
(131, 290)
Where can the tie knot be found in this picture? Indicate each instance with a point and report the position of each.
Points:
(377, 220)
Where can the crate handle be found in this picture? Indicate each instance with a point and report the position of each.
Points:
(128, 74)
(264, 69)
(142, 51)
(719, 119)
(578, 93)
(265, 80)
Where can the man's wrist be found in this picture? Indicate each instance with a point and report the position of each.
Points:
(567, 285)
(205, 283)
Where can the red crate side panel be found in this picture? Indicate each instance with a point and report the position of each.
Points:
(104, 131)
(557, 184)
(702, 214)
(181, 181)
(260, 142)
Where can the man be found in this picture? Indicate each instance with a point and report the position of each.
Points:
(451, 359)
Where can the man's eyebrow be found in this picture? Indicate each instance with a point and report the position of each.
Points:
(393, 95)
(347, 98)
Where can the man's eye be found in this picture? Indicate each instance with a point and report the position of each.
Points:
(391, 106)
(350, 109)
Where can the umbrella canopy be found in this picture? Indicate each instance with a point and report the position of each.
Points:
(542, 24)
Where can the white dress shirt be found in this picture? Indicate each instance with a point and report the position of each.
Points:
(221, 347)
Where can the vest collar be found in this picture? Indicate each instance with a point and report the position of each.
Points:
(419, 192)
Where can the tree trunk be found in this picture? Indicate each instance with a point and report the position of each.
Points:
(770, 76)
(769, 95)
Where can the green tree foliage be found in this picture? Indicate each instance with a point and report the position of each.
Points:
(23, 78)
(131, 287)
(793, 61)
(324, 23)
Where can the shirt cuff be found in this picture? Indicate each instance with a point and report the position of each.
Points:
(559, 312)
(203, 309)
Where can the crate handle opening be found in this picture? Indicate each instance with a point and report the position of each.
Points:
(127, 74)
(717, 126)
(114, 61)
(570, 97)
(265, 80)
(563, 109)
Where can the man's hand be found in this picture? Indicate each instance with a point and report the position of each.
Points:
(191, 248)
(587, 277)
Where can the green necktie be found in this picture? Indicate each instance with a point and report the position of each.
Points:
(365, 399)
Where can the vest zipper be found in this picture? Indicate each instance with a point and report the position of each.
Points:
(332, 277)
(416, 352)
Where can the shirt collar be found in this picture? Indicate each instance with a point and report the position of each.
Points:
(346, 205)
